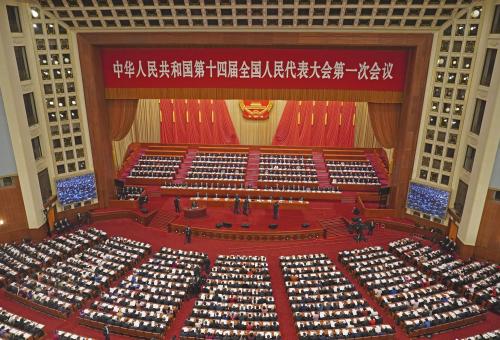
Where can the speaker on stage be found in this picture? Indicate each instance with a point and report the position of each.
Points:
(305, 225)
(273, 226)
(245, 225)
(227, 224)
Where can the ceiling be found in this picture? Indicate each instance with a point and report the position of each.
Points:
(407, 15)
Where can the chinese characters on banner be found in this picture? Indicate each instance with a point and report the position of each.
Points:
(380, 70)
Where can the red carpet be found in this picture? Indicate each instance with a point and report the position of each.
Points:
(159, 238)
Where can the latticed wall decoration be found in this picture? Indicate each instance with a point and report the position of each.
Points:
(61, 102)
(449, 91)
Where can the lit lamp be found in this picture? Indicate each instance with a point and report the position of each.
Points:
(2, 222)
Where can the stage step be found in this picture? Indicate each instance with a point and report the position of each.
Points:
(322, 171)
(185, 166)
(252, 175)
(335, 227)
(163, 218)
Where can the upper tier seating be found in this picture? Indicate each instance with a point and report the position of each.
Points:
(283, 168)
(213, 166)
(130, 193)
(66, 285)
(236, 301)
(145, 303)
(421, 305)
(160, 167)
(325, 303)
(352, 172)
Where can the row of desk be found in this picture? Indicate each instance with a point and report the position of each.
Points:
(244, 192)
(254, 203)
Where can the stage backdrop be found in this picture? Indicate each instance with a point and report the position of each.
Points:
(146, 127)
(255, 132)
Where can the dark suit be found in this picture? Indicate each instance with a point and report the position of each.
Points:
(177, 205)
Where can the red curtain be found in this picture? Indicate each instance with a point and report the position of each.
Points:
(385, 119)
(317, 123)
(196, 122)
(121, 116)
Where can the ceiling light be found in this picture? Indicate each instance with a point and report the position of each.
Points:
(34, 13)
(475, 13)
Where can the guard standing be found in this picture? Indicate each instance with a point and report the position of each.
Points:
(246, 206)
(187, 231)
(276, 208)
(177, 204)
(236, 208)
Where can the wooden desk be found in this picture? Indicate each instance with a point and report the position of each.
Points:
(254, 193)
(264, 203)
(225, 182)
(195, 212)
(147, 181)
(121, 330)
(39, 307)
(447, 326)
(262, 184)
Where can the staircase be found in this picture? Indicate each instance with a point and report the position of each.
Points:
(129, 163)
(336, 227)
(349, 197)
(323, 176)
(252, 175)
(165, 215)
(185, 166)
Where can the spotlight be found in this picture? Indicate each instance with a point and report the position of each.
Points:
(34, 13)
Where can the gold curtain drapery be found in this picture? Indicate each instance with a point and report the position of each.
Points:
(145, 129)
(384, 119)
(121, 117)
(364, 137)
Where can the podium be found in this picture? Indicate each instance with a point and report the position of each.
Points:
(195, 212)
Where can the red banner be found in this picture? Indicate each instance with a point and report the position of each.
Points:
(364, 69)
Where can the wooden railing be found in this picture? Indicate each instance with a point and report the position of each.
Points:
(141, 218)
(228, 234)
(373, 213)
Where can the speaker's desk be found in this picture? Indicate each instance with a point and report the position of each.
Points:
(254, 203)
(195, 212)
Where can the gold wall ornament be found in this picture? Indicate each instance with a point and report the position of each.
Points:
(256, 109)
